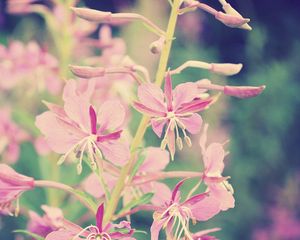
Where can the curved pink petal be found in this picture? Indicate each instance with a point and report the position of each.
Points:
(162, 193)
(156, 160)
(158, 126)
(193, 123)
(214, 160)
(224, 196)
(111, 115)
(60, 136)
(146, 110)
(61, 235)
(152, 97)
(168, 92)
(184, 93)
(206, 208)
(116, 152)
(155, 228)
(77, 103)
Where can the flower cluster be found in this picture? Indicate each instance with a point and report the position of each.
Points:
(118, 172)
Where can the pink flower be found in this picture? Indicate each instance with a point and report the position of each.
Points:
(12, 185)
(77, 127)
(218, 186)
(29, 66)
(156, 160)
(10, 137)
(174, 216)
(51, 221)
(110, 231)
(176, 109)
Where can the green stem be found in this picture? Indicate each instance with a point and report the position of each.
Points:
(163, 62)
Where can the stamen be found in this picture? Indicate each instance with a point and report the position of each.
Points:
(188, 141)
(179, 143)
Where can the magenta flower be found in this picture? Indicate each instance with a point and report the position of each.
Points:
(51, 221)
(176, 109)
(218, 186)
(110, 231)
(174, 216)
(77, 127)
(10, 137)
(12, 185)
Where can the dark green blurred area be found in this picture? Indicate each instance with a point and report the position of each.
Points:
(264, 131)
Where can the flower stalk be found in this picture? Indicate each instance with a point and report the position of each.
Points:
(162, 67)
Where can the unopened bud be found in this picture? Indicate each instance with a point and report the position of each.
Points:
(92, 15)
(87, 72)
(157, 45)
(179, 143)
(231, 21)
(188, 141)
(244, 91)
(226, 69)
(231, 11)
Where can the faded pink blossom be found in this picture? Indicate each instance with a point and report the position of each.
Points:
(28, 65)
(213, 159)
(77, 127)
(41, 146)
(155, 160)
(11, 136)
(174, 216)
(12, 185)
(176, 109)
(51, 221)
(110, 231)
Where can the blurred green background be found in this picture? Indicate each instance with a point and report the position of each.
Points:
(264, 132)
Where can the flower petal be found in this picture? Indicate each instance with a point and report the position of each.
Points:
(116, 152)
(168, 91)
(155, 228)
(152, 97)
(143, 109)
(184, 93)
(158, 126)
(156, 160)
(111, 115)
(214, 160)
(193, 123)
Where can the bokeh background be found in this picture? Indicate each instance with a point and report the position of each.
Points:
(264, 132)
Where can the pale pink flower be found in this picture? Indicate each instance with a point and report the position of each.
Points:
(99, 231)
(213, 159)
(12, 185)
(29, 66)
(11, 136)
(51, 221)
(174, 216)
(155, 160)
(176, 109)
(41, 146)
(77, 127)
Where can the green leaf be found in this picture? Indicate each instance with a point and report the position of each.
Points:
(87, 198)
(146, 198)
(137, 165)
(35, 236)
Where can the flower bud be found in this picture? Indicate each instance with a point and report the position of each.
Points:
(231, 11)
(87, 72)
(244, 91)
(226, 69)
(231, 21)
(92, 15)
(157, 45)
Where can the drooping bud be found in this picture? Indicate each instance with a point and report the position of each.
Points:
(157, 45)
(227, 69)
(231, 11)
(87, 72)
(243, 91)
(230, 20)
(92, 15)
